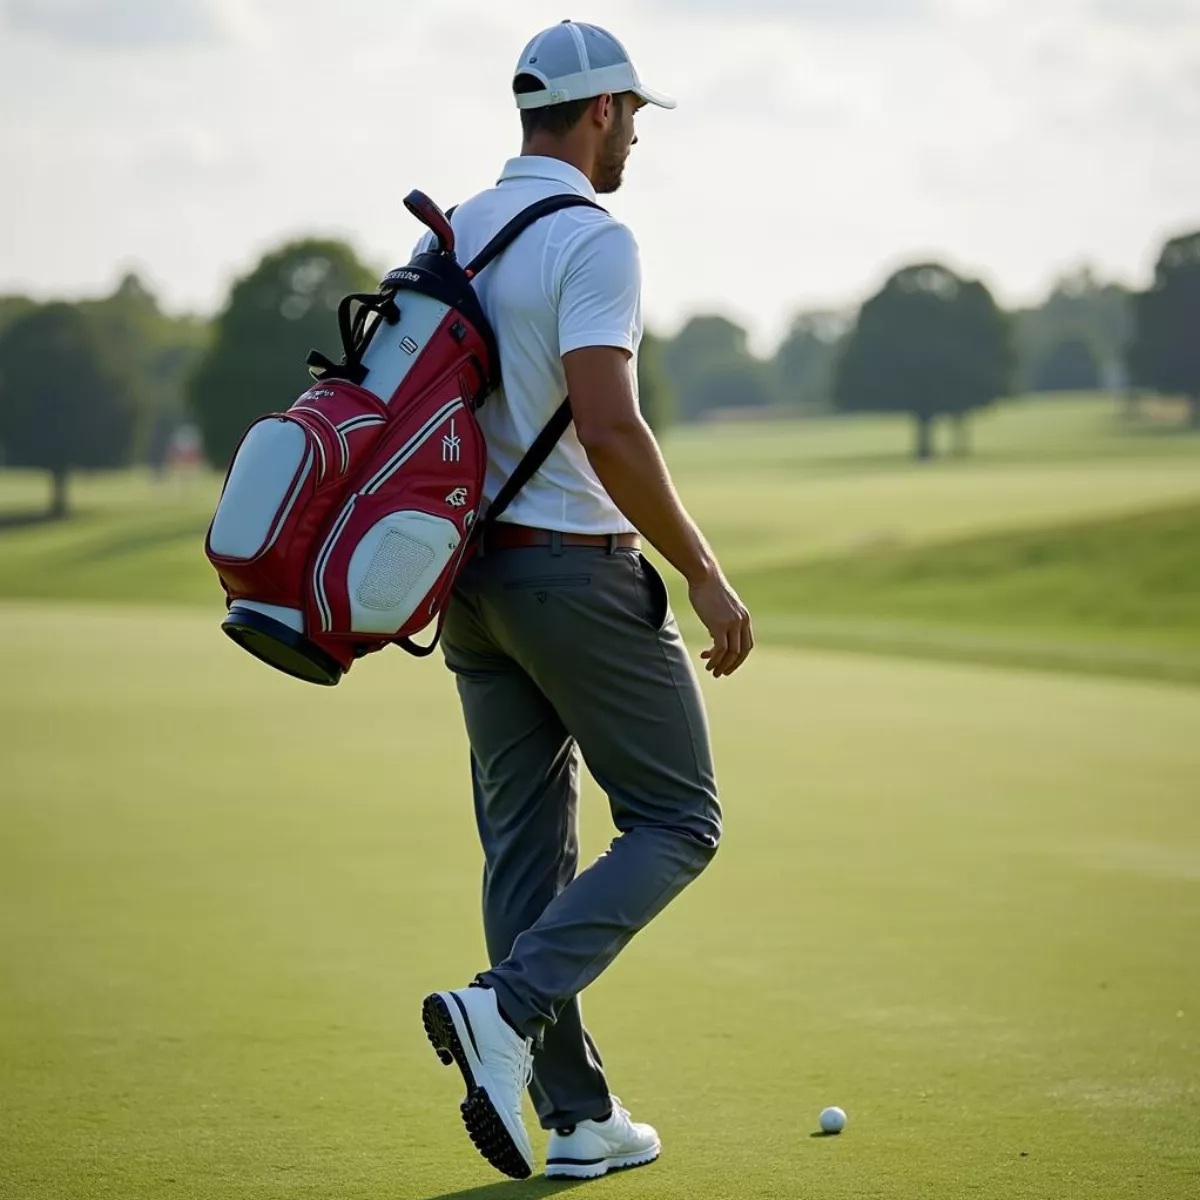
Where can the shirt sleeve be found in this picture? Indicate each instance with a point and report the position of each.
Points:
(601, 292)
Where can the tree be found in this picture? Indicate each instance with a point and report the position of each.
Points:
(1079, 308)
(804, 363)
(702, 344)
(275, 315)
(741, 383)
(709, 346)
(654, 388)
(65, 399)
(171, 368)
(1069, 366)
(12, 307)
(703, 341)
(160, 353)
(930, 344)
(1165, 354)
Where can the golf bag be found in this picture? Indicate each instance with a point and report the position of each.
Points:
(345, 520)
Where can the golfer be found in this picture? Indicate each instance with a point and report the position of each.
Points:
(560, 635)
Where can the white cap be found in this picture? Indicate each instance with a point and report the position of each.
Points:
(576, 62)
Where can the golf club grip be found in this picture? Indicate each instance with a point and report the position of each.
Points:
(429, 214)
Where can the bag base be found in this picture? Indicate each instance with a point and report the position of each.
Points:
(280, 646)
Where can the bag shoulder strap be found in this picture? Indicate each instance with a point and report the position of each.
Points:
(535, 457)
(517, 226)
(531, 463)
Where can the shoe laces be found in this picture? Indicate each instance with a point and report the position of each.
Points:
(523, 1065)
(619, 1110)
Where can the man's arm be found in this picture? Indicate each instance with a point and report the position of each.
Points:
(624, 454)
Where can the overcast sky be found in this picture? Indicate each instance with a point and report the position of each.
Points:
(818, 144)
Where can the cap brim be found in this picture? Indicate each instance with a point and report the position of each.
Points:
(652, 97)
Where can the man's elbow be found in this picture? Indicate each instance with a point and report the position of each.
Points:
(610, 435)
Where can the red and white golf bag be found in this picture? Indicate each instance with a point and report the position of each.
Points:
(344, 521)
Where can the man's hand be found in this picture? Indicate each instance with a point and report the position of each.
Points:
(727, 621)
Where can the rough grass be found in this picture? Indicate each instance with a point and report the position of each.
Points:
(960, 903)
(830, 530)
(1122, 594)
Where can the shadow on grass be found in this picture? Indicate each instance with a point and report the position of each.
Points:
(21, 520)
(1159, 430)
(854, 464)
(135, 541)
(514, 1190)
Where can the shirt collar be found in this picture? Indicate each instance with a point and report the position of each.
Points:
(535, 166)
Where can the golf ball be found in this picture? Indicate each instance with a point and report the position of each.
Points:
(833, 1120)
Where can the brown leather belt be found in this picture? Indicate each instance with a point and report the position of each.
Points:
(506, 536)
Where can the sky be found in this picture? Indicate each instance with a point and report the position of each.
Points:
(818, 144)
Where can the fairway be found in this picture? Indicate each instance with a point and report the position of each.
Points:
(962, 903)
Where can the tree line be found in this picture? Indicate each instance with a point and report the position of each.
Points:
(104, 383)
(93, 384)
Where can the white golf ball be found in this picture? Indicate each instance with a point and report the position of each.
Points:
(833, 1120)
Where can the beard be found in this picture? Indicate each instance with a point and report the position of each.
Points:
(610, 168)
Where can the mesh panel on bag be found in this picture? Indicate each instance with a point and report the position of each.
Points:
(398, 564)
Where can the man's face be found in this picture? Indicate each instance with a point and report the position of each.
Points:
(614, 152)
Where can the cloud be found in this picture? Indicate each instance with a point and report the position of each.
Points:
(1167, 105)
(828, 12)
(118, 23)
(1142, 12)
(1016, 134)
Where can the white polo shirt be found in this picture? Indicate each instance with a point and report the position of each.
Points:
(571, 280)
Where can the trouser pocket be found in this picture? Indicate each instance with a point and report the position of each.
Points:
(655, 602)
(541, 582)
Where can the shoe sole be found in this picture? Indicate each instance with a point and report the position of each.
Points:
(597, 1170)
(484, 1124)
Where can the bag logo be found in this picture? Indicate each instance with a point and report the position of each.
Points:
(457, 498)
(409, 346)
(400, 275)
(451, 445)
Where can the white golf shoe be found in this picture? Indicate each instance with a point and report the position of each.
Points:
(465, 1027)
(593, 1148)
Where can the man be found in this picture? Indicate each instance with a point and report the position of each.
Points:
(560, 636)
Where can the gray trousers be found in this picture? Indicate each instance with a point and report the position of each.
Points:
(560, 652)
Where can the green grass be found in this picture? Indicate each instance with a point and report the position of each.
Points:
(1120, 594)
(129, 538)
(830, 530)
(961, 903)
(788, 492)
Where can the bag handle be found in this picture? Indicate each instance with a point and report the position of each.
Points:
(352, 328)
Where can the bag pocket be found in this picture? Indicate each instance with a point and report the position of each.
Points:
(394, 568)
(345, 422)
(376, 569)
(273, 463)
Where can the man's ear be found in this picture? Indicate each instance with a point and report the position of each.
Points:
(602, 109)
